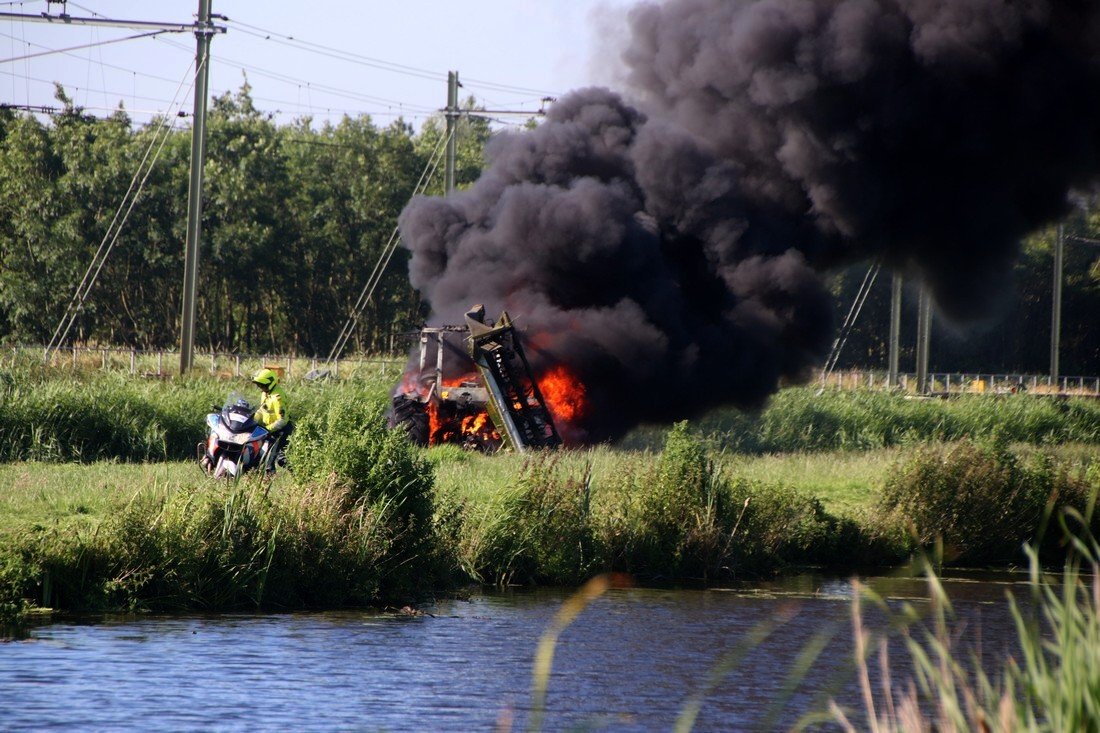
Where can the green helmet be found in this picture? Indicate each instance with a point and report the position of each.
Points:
(266, 379)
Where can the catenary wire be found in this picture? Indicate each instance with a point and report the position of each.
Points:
(88, 282)
(221, 60)
(85, 45)
(351, 56)
(387, 254)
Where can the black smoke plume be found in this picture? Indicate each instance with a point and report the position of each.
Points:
(669, 249)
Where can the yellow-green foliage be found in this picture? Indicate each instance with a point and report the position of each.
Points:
(221, 546)
(347, 445)
(675, 517)
(800, 419)
(61, 415)
(982, 500)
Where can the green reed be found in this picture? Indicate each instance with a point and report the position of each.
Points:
(802, 419)
(57, 415)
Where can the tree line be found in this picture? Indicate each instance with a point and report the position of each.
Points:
(294, 220)
(296, 217)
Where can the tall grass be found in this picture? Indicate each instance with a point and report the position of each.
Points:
(801, 419)
(55, 415)
(1051, 684)
(676, 517)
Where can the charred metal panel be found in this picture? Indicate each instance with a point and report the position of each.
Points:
(516, 405)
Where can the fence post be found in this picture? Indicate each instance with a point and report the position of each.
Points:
(133, 362)
(104, 359)
(213, 363)
(74, 356)
(289, 364)
(237, 365)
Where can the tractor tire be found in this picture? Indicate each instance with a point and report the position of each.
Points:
(410, 415)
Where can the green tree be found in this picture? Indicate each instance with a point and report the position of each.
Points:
(240, 303)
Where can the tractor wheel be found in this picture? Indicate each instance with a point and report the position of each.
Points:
(411, 415)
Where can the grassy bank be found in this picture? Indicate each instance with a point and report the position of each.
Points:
(354, 526)
(366, 518)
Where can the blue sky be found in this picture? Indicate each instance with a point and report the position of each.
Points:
(509, 54)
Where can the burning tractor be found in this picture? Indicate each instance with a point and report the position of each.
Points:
(494, 402)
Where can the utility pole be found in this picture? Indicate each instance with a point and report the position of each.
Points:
(452, 125)
(452, 114)
(895, 330)
(204, 31)
(1056, 315)
(924, 333)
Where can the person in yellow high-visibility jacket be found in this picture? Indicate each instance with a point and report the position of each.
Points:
(273, 414)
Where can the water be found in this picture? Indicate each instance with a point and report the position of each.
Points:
(629, 662)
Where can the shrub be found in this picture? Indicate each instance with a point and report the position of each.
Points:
(540, 533)
(682, 519)
(685, 518)
(981, 500)
(383, 475)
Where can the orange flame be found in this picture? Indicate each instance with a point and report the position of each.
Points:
(564, 394)
(443, 429)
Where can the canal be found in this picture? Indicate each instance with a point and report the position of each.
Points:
(631, 661)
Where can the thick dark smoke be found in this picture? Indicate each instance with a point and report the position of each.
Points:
(669, 249)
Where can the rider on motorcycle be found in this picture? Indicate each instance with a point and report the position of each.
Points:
(273, 414)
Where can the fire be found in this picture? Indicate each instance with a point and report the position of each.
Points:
(475, 423)
(472, 429)
(564, 395)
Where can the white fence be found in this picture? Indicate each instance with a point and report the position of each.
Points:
(959, 383)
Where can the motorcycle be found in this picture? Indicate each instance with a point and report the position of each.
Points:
(236, 442)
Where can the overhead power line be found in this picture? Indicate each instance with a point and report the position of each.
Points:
(370, 61)
(77, 48)
(297, 81)
(100, 63)
(345, 56)
(46, 109)
(66, 19)
(290, 40)
(384, 259)
(120, 95)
